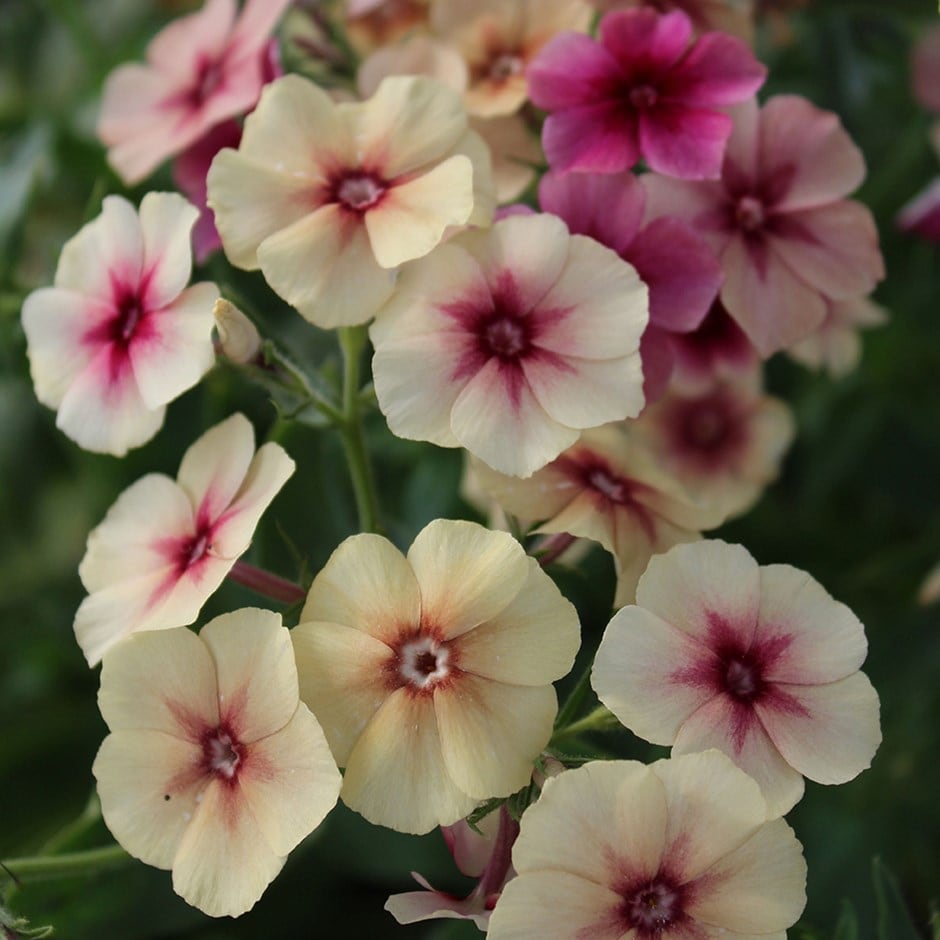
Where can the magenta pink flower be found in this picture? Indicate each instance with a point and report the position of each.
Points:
(717, 347)
(681, 271)
(646, 90)
(787, 237)
(921, 216)
(201, 70)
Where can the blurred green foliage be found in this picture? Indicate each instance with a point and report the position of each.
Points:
(857, 507)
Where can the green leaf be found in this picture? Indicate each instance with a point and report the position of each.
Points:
(894, 919)
(847, 925)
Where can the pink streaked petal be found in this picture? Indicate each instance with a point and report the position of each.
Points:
(166, 220)
(471, 848)
(103, 410)
(645, 670)
(608, 207)
(643, 40)
(736, 730)
(685, 142)
(591, 138)
(773, 305)
(826, 640)
(255, 25)
(570, 69)
(833, 735)
(177, 352)
(922, 214)
(584, 515)
(701, 204)
(743, 155)
(680, 295)
(412, 217)
(214, 467)
(709, 590)
(179, 47)
(498, 419)
(718, 70)
(834, 248)
(658, 362)
(106, 256)
(812, 147)
(160, 681)
(412, 907)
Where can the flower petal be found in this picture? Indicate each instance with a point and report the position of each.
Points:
(166, 221)
(683, 141)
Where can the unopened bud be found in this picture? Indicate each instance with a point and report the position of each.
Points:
(239, 338)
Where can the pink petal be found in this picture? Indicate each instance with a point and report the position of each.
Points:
(597, 138)
(718, 70)
(658, 362)
(255, 25)
(702, 204)
(644, 41)
(685, 142)
(570, 70)
(178, 47)
(922, 214)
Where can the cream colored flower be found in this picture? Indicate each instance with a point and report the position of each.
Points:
(328, 199)
(213, 767)
(759, 662)
(431, 674)
(680, 850)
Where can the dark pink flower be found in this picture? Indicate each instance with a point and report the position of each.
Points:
(681, 271)
(788, 239)
(646, 90)
(921, 215)
(717, 347)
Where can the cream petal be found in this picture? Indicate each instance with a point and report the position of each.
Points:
(758, 888)
(257, 675)
(166, 221)
(822, 639)
(176, 351)
(251, 201)
(554, 905)
(713, 808)
(587, 517)
(224, 862)
(706, 589)
(179, 598)
(324, 266)
(738, 733)
(833, 731)
(467, 574)
(412, 216)
(409, 121)
(415, 55)
(343, 674)
(491, 733)
(396, 775)
(366, 584)
(473, 146)
(594, 822)
(541, 496)
(148, 784)
(290, 781)
(651, 675)
(532, 641)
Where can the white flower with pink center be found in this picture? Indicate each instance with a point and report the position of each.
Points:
(759, 662)
(509, 342)
(683, 849)
(214, 768)
(165, 546)
(328, 199)
(431, 674)
(119, 335)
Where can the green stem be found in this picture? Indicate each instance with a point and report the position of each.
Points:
(90, 815)
(598, 720)
(68, 865)
(575, 699)
(352, 341)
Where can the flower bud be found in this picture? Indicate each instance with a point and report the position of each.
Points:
(238, 336)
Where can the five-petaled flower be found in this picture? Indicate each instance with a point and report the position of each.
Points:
(119, 335)
(431, 674)
(213, 767)
(683, 849)
(165, 546)
(759, 662)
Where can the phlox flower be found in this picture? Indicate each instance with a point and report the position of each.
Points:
(724, 443)
(645, 90)
(759, 662)
(509, 341)
(726, 16)
(431, 674)
(610, 488)
(201, 70)
(922, 214)
(484, 855)
(371, 24)
(788, 239)
(214, 768)
(683, 849)
(681, 271)
(119, 335)
(349, 191)
(165, 546)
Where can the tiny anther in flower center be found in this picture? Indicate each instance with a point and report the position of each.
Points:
(129, 314)
(653, 908)
(222, 754)
(359, 192)
(505, 337)
(643, 97)
(197, 549)
(207, 81)
(607, 484)
(423, 662)
(749, 213)
(742, 679)
(505, 66)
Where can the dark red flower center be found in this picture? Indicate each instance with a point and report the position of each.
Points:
(222, 753)
(505, 336)
(749, 213)
(643, 97)
(359, 192)
(741, 677)
(192, 550)
(653, 908)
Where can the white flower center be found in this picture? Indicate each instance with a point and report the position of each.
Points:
(222, 754)
(608, 485)
(359, 192)
(424, 662)
(750, 213)
(653, 907)
(505, 66)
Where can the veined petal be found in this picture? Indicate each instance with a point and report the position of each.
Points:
(166, 221)
(492, 571)
(718, 70)
(591, 138)
(644, 38)
(492, 732)
(177, 48)
(569, 69)
(402, 742)
(683, 141)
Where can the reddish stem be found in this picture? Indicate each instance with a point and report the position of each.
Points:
(553, 547)
(265, 583)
